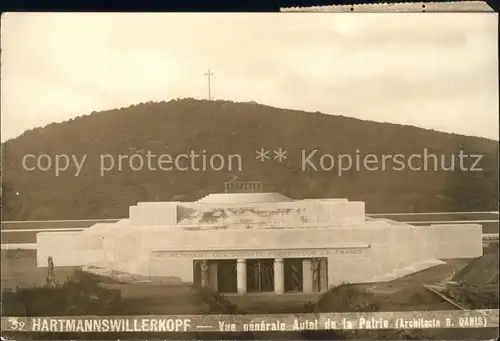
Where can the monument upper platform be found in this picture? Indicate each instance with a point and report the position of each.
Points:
(233, 198)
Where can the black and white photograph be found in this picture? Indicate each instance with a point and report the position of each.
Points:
(249, 176)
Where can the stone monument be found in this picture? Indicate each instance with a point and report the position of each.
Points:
(251, 242)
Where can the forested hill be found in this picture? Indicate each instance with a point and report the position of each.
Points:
(228, 128)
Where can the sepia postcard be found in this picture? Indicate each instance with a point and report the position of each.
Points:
(249, 176)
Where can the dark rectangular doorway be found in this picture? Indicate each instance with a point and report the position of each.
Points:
(226, 276)
(260, 275)
(293, 275)
(197, 272)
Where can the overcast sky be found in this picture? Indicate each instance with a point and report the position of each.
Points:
(437, 71)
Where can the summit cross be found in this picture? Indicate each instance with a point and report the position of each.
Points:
(208, 74)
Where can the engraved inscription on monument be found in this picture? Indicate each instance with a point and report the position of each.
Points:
(256, 254)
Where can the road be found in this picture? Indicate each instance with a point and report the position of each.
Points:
(24, 232)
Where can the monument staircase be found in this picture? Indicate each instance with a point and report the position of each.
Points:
(244, 210)
(408, 270)
(235, 198)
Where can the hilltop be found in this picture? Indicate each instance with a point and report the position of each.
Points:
(224, 127)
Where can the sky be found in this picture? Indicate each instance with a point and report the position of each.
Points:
(432, 70)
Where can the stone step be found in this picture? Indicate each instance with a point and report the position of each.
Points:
(408, 270)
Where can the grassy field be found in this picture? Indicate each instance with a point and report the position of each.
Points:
(482, 270)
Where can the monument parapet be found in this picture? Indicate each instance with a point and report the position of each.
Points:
(154, 214)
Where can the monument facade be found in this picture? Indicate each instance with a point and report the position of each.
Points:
(260, 242)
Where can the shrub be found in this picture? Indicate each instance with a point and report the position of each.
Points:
(79, 295)
(19, 254)
(346, 298)
(349, 298)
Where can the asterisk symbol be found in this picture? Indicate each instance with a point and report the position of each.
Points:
(262, 155)
(280, 155)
